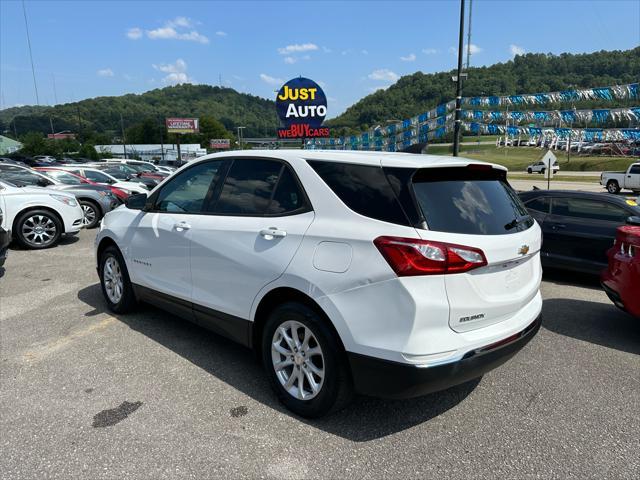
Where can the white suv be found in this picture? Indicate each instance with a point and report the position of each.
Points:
(387, 274)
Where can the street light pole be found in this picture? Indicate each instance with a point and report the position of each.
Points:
(458, 114)
(240, 137)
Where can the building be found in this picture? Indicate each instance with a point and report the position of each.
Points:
(8, 145)
(157, 153)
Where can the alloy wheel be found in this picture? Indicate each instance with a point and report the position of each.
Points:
(113, 280)
(298, 360)
(39, 230)
(89, 214)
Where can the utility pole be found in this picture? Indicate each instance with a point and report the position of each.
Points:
(456, 128)
(161, 147)
(240, 137)
(469, 36)
(124, 144)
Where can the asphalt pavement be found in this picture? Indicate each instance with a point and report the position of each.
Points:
(86, 394)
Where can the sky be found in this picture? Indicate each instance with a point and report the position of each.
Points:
(84, 49)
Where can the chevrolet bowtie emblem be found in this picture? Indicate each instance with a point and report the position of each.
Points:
(524, 249)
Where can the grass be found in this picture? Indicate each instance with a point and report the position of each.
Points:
(517, 158)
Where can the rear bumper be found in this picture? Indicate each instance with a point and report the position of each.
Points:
(383, 378)
(5, 240)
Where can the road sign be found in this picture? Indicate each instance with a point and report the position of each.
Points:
(219, 143)
(182, 125)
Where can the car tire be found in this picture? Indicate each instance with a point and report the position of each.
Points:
(38, 229)
(529, 170)
(542, 170)
(114, 280)
(320, 359)
(91, 213)
(613, 187)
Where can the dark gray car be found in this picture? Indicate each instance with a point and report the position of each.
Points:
(96, 200)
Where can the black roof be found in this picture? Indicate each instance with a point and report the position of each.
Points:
(619, 199)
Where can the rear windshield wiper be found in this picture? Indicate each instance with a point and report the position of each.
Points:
(515, 222)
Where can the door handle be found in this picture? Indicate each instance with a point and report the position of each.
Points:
(558, 226)
(182, 226)
(272, 232)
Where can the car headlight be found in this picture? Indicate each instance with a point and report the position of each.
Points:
(66, 200)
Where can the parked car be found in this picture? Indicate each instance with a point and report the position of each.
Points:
(5, 235)
(578, 227)
(96, 175)
(616, 181)
(11, 161)
(621, 280)
(541, 167)
(124, 172)
(95, 200)
(69, 178)
(37, 217)
(388, 274)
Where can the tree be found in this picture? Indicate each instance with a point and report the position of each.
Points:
(212, 128)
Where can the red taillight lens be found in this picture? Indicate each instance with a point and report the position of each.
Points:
(410, 257)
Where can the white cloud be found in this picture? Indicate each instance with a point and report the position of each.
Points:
(297, 48)
(134, 33)
(365, 52)
(429, 51)
(473, 49)
(105, 72)
(375, 89)
(220, 33)
(384, 74)
(180, 28)
(176, 72)
(516, 50)
(290, 60)
(276, 82)
(409, 58)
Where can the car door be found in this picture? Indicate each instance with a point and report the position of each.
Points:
(633, 178)
(161, 240)
(581, 230)
(250, 236)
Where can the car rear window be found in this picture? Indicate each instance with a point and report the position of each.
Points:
(469, 201)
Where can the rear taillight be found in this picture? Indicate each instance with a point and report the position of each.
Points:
(410, 257)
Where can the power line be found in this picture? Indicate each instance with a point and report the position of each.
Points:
(33, 70)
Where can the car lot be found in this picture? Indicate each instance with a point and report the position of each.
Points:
(86, 394)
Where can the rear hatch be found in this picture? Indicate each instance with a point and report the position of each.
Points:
(474, 206)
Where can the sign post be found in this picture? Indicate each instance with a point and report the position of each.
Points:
(181, 126)
(549, 160)
(302, 107)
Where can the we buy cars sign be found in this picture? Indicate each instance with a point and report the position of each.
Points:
(302, 106)
(182, 125)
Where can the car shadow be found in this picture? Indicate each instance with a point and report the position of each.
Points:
(63, 241)
(2, 270)
(566, 277)
(599, 323)
(363, 420)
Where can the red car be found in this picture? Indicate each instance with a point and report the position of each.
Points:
(73, 179)
(621, 281)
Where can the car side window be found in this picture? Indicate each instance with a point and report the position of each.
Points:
(190, 190)
(589, 209)
(288, 196)
(248, 187)
(635, 169)
(539, 204)
(96, 176)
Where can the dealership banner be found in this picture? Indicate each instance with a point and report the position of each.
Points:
(600, 115)
(182, 125)
(302, 107)
(220, 143)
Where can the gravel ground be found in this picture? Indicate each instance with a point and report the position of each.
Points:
(85, 394)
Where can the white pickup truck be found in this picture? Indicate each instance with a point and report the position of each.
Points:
(616, 181)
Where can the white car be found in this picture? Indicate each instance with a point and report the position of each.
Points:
(387, 274)
(38, 217)
(98, 176)
(541, 167)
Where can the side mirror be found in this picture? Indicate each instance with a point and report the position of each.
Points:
(633, 220)
(136, 201)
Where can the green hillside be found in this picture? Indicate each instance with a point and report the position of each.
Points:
(102, 114)
(530, 73)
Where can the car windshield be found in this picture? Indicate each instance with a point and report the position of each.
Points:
(22, 177)
(64, 177)
(117, 173)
